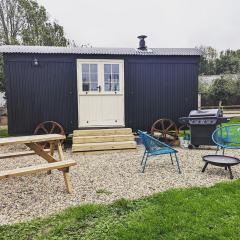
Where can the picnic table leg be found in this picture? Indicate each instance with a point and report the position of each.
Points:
(52, 146)
(60, 151)
(67, 180)
(66, 173)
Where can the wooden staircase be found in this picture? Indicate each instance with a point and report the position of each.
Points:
(103, 139)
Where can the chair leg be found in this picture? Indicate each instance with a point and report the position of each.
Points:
(217, 150)
(171, 158)
(143, 157)
(179, 170)
(145, 162)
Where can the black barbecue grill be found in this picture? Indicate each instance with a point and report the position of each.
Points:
(202, 123)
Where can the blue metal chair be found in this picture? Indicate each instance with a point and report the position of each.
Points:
(154, 147)
(227, 137)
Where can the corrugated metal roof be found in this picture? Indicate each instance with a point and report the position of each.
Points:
(101, 51)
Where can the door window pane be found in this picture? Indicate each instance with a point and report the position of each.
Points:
(115, 87)
(107, 87)
(85, 77)
(89, 77)
(94, 87)
(93, 77)
(115, 68)
(107, 68)
(93, 68)
(111, 77)
(116, 76)
(85, 68)
(85, 87)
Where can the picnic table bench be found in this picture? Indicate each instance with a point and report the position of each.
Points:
(34, 143)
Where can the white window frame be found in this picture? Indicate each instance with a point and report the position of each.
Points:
(100, 66)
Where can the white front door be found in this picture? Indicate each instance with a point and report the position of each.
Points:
(100, 92)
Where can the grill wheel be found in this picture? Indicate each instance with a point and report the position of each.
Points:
(166, 130)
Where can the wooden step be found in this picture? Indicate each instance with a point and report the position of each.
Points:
(103, 146)
(106, 138)
(33, 169)
(102, 132)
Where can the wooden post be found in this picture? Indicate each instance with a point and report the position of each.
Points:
(67, 180)
(52, 146)
(66, 174)
(60, 151)
(199, 101)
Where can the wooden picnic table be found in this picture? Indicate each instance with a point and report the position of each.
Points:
(34, 143)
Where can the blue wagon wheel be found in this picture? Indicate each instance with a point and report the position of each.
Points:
(49, 127)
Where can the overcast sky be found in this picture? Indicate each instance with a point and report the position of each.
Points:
(167, 23)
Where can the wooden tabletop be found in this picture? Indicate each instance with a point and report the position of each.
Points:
(31, 139)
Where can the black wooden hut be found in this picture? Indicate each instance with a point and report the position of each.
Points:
(82, 87)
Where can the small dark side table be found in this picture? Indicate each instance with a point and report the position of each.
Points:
(221, 161)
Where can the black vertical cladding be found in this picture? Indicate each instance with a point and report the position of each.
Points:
(40, 93)
(155, 87)
(164, 87)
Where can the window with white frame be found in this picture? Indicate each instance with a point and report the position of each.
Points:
(89, 77)
(100, 76)
(111, 77)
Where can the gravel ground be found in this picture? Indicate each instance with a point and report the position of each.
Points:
(99, 178)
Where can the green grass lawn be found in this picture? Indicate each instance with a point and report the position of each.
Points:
(3, 131)
(234, 120)
(195, 213)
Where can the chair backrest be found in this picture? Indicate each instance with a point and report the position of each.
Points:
(227, 136)
(151, 143)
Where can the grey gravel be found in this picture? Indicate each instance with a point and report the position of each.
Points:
(99, 178)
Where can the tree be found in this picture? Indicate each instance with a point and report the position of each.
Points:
(11, 21)
(222, 89)
(38, 30)
(208, 60)
(25, 22)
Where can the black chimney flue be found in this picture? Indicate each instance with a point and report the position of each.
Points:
(142, 45)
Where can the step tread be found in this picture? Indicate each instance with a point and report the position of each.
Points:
(103, 143)
(118, 135)
(97, 132)
(103, 138)
(84, 147)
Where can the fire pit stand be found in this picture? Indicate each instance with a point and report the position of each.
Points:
(221, 161)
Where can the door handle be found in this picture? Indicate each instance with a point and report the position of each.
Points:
(99, 88)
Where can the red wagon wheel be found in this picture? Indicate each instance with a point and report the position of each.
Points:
(165, 130)
(49, 127)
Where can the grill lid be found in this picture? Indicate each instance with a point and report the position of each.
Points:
(206, 113)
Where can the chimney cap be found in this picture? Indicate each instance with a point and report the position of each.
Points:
(142, 36)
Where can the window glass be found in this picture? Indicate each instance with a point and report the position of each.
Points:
(115, 68)
(85, 87)
(116, 76)
(93, 77)
(89, 77)
(85, 77)
(107, 87)
(94, 87)
(85, 68)
(115, 87)
(93, 68)
(107, 68)
(111, 77)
